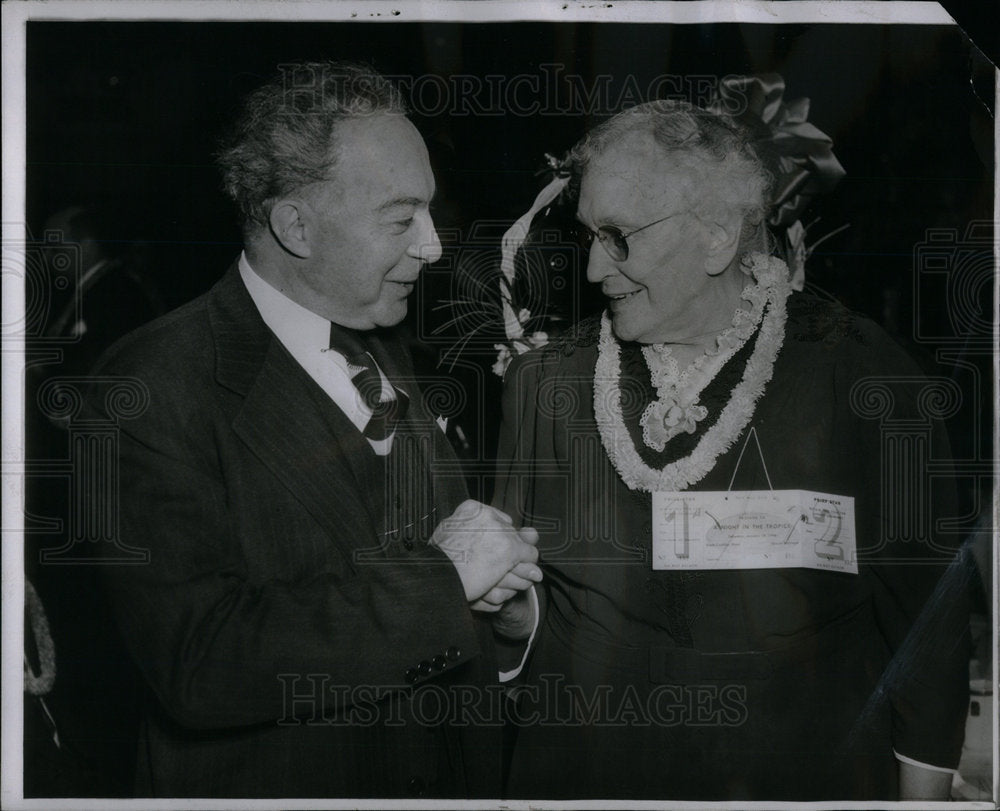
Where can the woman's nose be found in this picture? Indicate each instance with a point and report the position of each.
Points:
(599, 264)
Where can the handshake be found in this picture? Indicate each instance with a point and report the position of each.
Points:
(493, 560)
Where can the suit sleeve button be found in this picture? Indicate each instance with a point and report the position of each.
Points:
(424, 667)
(417, 786)
(411, 675)
(439, 662)
(453, 653)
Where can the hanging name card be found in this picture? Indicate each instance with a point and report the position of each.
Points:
(754, 529)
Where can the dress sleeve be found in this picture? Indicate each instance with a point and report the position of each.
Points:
(921, 578)
(512, 493)
(518, 653)
(517, 451)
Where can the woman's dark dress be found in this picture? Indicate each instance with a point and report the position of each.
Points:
(738, 684)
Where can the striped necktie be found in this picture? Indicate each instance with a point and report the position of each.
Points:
(367, 379)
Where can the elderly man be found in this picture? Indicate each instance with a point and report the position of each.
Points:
(307, 622)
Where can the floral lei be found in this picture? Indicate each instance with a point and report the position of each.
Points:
(769, 289)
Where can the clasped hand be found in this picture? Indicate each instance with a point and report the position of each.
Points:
(494, 561)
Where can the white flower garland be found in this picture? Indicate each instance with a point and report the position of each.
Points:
(771, 285)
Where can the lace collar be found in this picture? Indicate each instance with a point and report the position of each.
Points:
(676, 408)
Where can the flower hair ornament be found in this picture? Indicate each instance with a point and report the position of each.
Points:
(799, 155)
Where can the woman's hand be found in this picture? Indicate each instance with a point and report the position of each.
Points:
(516, 617)
(918, 783)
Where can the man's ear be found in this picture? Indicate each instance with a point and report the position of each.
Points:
(288, 225)
(723, 240)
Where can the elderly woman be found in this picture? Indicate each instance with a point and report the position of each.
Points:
(738, 676)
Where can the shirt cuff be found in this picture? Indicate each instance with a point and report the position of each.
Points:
(912, 762)
(507, 675)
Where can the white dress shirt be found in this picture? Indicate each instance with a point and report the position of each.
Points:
(306, 336)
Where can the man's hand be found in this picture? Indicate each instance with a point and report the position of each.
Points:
(515, 582)
(492, 558)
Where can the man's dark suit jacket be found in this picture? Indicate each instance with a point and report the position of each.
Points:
(291, 647)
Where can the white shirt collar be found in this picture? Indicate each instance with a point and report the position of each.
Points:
(306, 336)
(299, 329)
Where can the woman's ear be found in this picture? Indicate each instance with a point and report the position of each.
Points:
(288, 221)
(722, 243)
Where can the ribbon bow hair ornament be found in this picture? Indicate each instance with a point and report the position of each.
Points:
(798, 153)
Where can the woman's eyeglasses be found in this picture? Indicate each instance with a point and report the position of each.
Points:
(613, 240)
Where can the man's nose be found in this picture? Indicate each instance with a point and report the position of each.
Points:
(427, 246)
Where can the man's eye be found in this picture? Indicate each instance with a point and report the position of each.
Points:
(403, 225)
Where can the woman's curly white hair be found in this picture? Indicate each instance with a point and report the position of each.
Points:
(727, 173)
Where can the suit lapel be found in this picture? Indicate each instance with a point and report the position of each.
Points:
(437, 455)
(287, 420)
(305, 440)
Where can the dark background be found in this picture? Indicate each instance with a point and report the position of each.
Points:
(123, 119)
